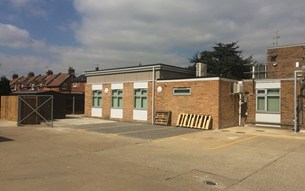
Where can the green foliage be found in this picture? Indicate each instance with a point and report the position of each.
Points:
(225, 60)
(4, 86)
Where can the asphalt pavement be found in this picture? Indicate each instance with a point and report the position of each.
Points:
(81, 153)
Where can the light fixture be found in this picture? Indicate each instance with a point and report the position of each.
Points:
(106, 90)
(159, 89)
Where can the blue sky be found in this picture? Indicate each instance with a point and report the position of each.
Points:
(37, 35)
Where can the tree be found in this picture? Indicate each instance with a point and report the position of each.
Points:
(4, 86)
(225, 60)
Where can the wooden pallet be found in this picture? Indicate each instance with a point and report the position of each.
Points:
(162, 118)
(194, 121)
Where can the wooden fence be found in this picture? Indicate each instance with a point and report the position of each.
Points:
(9, 108)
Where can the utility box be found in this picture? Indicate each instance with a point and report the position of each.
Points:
(238, 88)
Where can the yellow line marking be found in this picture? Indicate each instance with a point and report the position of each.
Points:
(235, 142)
(138, 131)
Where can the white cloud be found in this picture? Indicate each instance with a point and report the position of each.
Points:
(14, 37)
(22, 64)
(114, 33)
(160, 30)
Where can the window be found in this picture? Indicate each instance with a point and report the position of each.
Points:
(64, 86)
(140, 99)
(96, 98)
(74, 85)
(117, 98)
(268, 100)
(181, 91)
(259, 71)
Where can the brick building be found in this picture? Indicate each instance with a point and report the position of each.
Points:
(270, 94)
(137, 93)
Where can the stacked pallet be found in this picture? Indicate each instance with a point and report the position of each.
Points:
(162, 118)
(194, 121)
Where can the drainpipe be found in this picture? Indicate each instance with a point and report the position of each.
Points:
(153, 96)
(295, 103)
(296, 118)
(239, 109)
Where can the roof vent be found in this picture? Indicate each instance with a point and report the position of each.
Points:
(201, 69)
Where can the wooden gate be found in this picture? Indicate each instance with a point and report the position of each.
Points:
(34, 109)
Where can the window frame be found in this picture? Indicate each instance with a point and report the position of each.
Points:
(143, 99)
(265, 95)
(259, 71)
(181, 93)
(97, 94)
(117, 95)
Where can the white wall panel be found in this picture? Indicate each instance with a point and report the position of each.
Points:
(268, 118)
(116, 113)
(264, 85)
(140, 115)
(96, 112)
(140, 85)
(117, 86)
(97, 87)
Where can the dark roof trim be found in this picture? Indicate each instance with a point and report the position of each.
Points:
(143, 68)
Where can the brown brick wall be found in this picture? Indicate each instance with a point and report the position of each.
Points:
(208, 98)
(128, 101)
(287, 102)
(249, 88)
(228, 105)
(204, 99)
(88, 99)
(106, 101)
(286, 58)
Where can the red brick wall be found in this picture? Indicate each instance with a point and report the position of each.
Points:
(80, 87)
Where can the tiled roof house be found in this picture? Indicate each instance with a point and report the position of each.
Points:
(60, 82)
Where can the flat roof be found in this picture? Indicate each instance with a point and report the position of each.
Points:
(139, 68)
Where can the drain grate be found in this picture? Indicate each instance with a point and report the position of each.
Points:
(211, 183)
(260, 130)
(240, 132)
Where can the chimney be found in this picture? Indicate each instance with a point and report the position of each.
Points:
(49, 72)
(71, 71)
(14, 76)
(31, 74)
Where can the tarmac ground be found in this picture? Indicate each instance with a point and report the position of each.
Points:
(80, 153)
